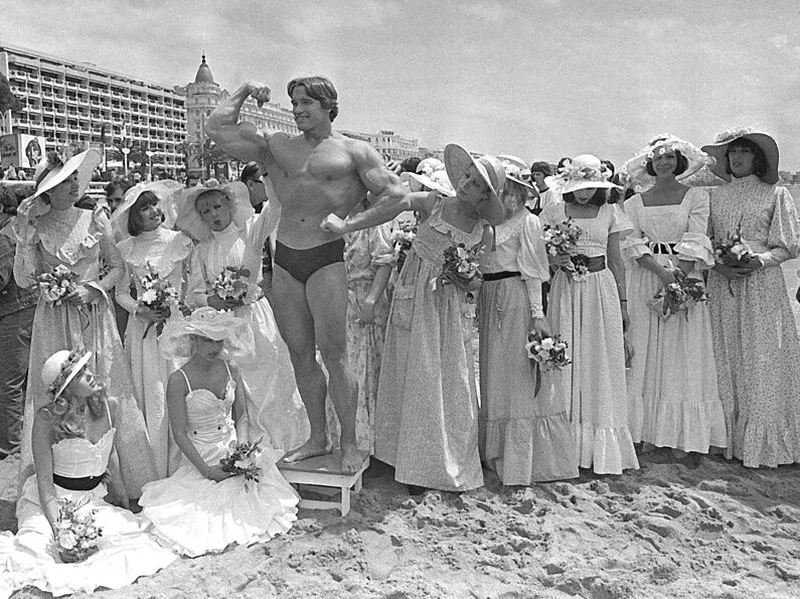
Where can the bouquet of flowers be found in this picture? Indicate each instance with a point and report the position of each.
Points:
(231, 284)
(561, 239)
(402, 237)
(243, 460)
(76, 531)
(460, 263)
(546, 353)
(681, 294)
(157, 294)
(733, 250)
(57, 284)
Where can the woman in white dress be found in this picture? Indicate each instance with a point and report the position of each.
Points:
(588, 311)
(203, 508)
(674, 401)
(148, 246)
(526, 436)
(231, 235)
(75, 460)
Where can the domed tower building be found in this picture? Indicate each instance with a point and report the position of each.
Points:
(202, 98)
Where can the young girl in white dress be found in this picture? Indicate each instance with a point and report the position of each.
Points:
(73, 448)
(202, 508)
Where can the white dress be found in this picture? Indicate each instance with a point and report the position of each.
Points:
(196, 515)
(276, 411)
(166, 252)
(587, 315)
(672, 383)
(126, 549)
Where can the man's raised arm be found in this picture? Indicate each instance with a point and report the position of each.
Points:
(244, 140)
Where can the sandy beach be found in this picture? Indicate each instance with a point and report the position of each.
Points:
(664, 531)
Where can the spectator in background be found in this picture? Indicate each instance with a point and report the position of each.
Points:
(410, 164)
(192, 180)
(253, 178)
(86, 202)
(115, 193)
(17, 307)
(540, 173)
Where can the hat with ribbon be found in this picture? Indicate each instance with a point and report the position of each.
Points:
(60, 368)
(218, 325)
(582, 172)
(163, 190)
(634, 171)
(188, 218)
(431, 174)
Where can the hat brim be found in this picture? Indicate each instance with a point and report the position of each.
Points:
(571, 186)
(426, 181)
(236, 333)
(76, 368)
(188, 218)
(162, 189)
(634, 171)
(83, 163)
(762, 140)
(456, 162)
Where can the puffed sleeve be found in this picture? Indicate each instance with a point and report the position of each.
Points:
(695, 245)
(532, 262)
(196, 295)
(27, 260)
(620, 223)
(634, 246)
(783, 239)
(381, 248)
(264, 224)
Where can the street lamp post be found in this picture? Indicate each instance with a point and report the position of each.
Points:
(125, 152)
(149, 153)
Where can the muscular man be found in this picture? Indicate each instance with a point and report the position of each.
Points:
(314, 174)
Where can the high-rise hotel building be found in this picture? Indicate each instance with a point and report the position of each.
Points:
(78, 103)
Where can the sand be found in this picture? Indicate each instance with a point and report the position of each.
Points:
(718, 531)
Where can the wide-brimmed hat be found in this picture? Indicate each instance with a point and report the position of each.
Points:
(60, 368)
(634, 171)
(54, 169)
(582, 172)
(720, 148)
(189, 220)
(431, 174)
(516, 169)
(219, 325)
(457, 160)
(164, 191)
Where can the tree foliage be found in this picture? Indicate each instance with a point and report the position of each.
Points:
(8, 101)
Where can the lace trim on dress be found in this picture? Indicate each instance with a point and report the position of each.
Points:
(174, 247)
(68, 236)
(459, 236)
(510, 228)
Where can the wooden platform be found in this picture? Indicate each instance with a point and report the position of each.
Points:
(325, 471)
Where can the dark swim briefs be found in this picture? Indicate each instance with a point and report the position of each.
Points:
(301, 264)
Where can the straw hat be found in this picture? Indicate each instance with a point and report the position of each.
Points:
(54, 169)
(720, 148)
(189, 220)
(432, 174)
(219, 325)
(634, 171)
(457, 160)
(582, 172)
(516, 169)
(60, 368)
(163, 190)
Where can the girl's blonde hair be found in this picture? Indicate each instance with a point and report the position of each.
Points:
(68, 423)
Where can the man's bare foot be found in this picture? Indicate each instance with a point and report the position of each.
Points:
(351, 458)
(309, 449)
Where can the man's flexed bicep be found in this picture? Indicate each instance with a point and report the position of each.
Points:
(244, 140)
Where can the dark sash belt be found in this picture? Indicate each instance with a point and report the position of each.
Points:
(497, 276)
(664, 248)
(87, 483)
(595, 264)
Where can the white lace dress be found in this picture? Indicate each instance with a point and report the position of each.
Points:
(196, 515)
(426, 415)
(673, 379)
(166, 251)
(275, 411)
(127, 550)
(586, 313)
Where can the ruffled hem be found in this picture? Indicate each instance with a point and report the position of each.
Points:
(539, 449)
(634, 248)
(765, 444)
(695, 247)
(607, 450)
(688, 425)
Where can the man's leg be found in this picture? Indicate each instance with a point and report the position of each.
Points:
(296, 326)
(15, 339)
(326, 292)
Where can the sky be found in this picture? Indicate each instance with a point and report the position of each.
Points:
(539, 79)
